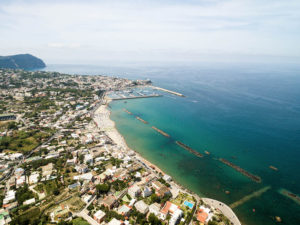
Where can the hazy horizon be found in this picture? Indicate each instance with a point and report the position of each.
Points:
(90, 32)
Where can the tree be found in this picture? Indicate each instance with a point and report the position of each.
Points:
(154, 220)
(102, 188)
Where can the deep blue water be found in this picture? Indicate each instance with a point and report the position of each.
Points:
(248, 114)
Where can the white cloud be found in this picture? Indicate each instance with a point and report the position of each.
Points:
(149, 30)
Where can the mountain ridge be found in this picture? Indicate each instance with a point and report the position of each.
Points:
(21, 61)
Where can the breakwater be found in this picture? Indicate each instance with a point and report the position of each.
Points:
(134, 97)
(189, 149)
(125, 110)
(160, 131)
(140, 119)
(290, 195)
(273, 168)
(247, 198)
(168, 91)
(241, 170)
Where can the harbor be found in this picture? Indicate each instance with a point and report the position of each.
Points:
(253, 177)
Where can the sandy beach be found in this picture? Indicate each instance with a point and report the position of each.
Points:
(104, 123)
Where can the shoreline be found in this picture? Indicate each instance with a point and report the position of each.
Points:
(109, 127)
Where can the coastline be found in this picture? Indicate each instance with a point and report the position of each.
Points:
(104, 123)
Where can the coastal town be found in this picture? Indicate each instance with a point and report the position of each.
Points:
(62, 161)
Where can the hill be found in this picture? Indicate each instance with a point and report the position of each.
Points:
(21, 61)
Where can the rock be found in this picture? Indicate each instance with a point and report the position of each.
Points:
(278, 219)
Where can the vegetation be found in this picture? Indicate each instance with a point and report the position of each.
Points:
(23, 194)
(23, 141)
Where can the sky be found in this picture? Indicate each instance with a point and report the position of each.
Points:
(93, 31)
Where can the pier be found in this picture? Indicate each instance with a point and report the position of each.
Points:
(160, 131)
(290, 195)
(166, 90)
(241, 170)
(134, 97)
(189, 149)
(140, 119)
(249, 197)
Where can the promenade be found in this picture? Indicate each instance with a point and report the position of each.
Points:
(225, 209)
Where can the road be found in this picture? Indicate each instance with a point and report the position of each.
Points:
(84, 214)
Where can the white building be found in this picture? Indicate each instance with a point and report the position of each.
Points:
(134, 191)
(10, 196)
(141, 206)
(167, 178)
(155, 209)
(146, 192)
(99, 215)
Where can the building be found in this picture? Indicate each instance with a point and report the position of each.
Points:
(141, 206)
(9, 197)
(109, 201)
(99, 216)
(146, 192)
(34, 178)
(204, 214)
(167, 178)
(47, 170)
(73, 186)
(4, 217)
(114, 221)
(155, 209)
(176, 216)
(59, 212)
(160, 189)
(134, 191)
(169, 208)
(124, 210)
(4, 117)
(29, 201)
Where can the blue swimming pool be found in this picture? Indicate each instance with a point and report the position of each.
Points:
(188, 204)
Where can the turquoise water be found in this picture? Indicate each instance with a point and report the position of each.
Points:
(248, 114)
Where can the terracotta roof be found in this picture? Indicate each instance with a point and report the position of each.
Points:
(201, 216)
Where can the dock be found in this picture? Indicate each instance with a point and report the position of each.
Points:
(166, 90)
(160, 131)
(134, 97)
(189, 149)
(253, 177)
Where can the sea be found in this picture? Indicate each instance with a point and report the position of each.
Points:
(246, 113)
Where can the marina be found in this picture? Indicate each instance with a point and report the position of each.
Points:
(189, 149)
(241, 170)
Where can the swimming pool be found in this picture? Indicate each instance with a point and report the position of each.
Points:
(188, 204)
